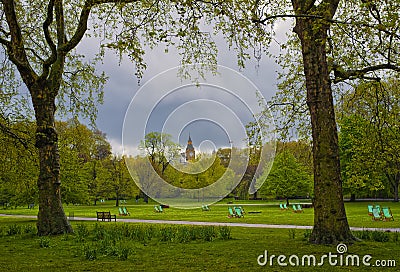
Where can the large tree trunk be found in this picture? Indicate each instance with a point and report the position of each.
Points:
(51, 218)
(330, 221)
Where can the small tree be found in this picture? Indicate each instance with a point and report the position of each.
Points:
(120, 180)
(160, 150)
(287, 178)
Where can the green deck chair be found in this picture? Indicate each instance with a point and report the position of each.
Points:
(376, 215)
(387, 214)
(239, 212)
(299, 208)
(231, 213)
(121, 212)
(370, 207)
(125, 210)
(378, 207)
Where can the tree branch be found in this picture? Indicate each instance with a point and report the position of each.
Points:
(49, 40)
(82, 24)
(271, 17)
(15, 48)
(59, 10)
(341, 75)
(7, 131)
(378, 27)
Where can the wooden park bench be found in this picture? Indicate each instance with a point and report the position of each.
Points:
(106, 216)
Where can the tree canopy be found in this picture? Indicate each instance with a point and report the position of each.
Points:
(287, 179)
(369, 129)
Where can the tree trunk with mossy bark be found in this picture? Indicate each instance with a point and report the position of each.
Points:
(51, 217)
(330, 221)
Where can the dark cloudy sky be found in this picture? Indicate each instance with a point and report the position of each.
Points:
(122, 87)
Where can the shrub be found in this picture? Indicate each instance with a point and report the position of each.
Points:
(81, 232)
(225, 233)
(364, 234)
(30, 229)
(167, 234)
(185, 234)
(208, 233)
(98, 232)
(379, 236)
(14, 230)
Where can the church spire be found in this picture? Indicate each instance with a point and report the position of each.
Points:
(190, 152)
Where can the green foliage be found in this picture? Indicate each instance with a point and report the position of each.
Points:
(364, 234)
(205, 171)
(88, 172)
(160, 150)
(81, 232)
(307, 235)
(18, 166)
(292, 233)
(352, 47)
(14, 230)
(110, 241)
(225, 233)
(44, 242)
(208, 233)
(369, 127)
(379, 236)
(30, 229)
(287, 178)
(89, 252)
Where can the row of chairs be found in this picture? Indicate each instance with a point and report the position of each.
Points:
(384, 214)
(235, 212)
(205, 208)
(296, 208)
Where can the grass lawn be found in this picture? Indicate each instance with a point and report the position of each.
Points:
(121, 247)
(270, 213)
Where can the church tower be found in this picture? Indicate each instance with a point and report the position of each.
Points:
(190, 153)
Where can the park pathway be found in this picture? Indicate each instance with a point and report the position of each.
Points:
(201, 223)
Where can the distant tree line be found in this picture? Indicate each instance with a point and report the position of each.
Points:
(90, 171)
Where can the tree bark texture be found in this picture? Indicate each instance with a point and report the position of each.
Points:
(51, 217)
(330, 221)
